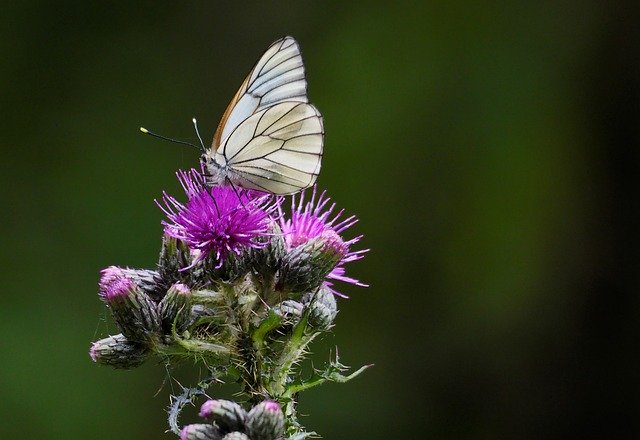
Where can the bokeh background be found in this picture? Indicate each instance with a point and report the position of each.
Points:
(490, 150)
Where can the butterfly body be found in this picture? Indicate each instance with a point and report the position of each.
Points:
(270, 138)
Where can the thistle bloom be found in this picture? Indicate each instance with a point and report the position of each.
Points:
(276, 296)
(217, 221)
(315, 219)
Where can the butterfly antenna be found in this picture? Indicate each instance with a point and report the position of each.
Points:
(150, 133)
(195, 125)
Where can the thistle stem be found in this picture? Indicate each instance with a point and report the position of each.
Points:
(293, 351)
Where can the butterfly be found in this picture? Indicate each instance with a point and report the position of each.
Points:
(270, 137)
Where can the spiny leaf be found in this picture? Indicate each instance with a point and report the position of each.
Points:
(186, 397)
(336, 376)
(333, 372)
(303, 435)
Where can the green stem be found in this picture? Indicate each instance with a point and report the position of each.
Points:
(292, 352)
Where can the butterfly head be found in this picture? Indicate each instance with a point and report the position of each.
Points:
(215, 166)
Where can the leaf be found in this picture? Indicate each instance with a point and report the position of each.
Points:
(266, 326)
(186, 397)
(333, 372)
(303, 435)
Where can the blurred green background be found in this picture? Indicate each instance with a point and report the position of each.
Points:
(490, 151)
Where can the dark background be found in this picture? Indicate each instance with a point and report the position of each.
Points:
(490, 151)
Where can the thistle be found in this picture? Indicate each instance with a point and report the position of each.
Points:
(242, 287)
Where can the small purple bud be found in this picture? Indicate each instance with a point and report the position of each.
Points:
(200, 431)
(227, 414)
(117, 288)
(107, 277)
(270, 405)
(265, 421)
(208, 408)
(133, 311)
(118, 352)
(147, 280)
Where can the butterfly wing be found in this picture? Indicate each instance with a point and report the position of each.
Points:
(278, 149)
(278, 76)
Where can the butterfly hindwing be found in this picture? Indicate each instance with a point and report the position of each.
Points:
(278, 149)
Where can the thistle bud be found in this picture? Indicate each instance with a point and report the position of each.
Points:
(174, 309)
(266, 261)
(306, 266)
(289, 310)
(228, 415)
(147, 280)
(265, 421)
(118, 352)
(174, 256)
(133, 311)
(236, 436)
(262, 260)
(200, 431)
(234, 268)
(323, 308)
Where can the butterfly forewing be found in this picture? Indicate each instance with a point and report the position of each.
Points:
(278, 76)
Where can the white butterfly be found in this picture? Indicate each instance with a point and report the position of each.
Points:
(270, 138)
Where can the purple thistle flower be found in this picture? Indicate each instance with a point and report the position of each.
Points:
(315, 218)
(217, 221)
